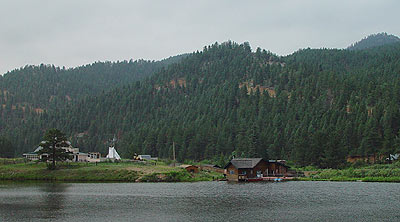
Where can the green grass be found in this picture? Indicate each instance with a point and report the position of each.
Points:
(368, 173)
(123, 171)
(7, 161)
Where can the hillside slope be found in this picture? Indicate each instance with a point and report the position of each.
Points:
(374, 40)
(31, 91)
(46, 86)
(313, 107)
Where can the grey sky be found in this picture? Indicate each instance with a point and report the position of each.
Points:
(76, 32)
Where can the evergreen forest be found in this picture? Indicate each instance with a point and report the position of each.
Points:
(313, 107)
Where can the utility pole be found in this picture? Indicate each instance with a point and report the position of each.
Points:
(173, 151)
(54, 153)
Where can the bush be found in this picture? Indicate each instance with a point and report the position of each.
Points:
(177, 176)
(359, 164)
(150, 178)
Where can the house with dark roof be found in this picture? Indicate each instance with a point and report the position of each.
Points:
(242, 169)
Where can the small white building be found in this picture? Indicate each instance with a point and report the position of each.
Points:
(80, 157)
(144, 157)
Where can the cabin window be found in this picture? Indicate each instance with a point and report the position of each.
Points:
(232, 172)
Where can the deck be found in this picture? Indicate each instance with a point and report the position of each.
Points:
(271, 179)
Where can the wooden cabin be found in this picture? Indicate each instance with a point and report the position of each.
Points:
(241, 169)
(190, 168)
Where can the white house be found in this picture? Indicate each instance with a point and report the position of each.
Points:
(76, 155)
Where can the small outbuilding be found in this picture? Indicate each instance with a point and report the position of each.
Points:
(190, 168)
(80, 157)
(211, 167)
(144, 157)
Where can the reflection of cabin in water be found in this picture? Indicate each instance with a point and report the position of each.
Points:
(248, 168)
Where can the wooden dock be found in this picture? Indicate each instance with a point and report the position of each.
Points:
(270, 179)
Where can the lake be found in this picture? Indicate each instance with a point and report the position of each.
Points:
(201, 201)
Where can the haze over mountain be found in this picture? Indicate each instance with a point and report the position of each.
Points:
(314, 106)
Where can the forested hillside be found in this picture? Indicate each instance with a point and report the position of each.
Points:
(315, 106)
(6, 148)
(30, 91)
(374, 40)
(45, 86)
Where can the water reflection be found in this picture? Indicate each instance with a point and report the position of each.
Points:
(53, 198)
(203, 201)
(32, 201)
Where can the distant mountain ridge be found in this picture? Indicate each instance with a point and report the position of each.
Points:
(374, 40)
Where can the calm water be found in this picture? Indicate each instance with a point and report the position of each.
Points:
(203, 201)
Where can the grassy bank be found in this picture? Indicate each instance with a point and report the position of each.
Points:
(6, 161)
(369, 173)
(102, 172)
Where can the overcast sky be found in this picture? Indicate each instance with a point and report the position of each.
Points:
(76, 32)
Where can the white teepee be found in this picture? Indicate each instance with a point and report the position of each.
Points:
(112, 153)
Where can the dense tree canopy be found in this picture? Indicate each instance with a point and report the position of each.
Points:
(314, 107)
(6, 148)
(374, 40)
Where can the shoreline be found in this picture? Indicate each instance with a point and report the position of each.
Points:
(301, 179)
(102, 172)
(364, 179)
(130, 172)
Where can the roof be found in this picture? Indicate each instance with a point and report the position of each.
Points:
(245, 163)
(186, 166)
(30, 153)
(248, 163)
(210, 165)
(38, 149)
(278, 162)
(146, 156)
